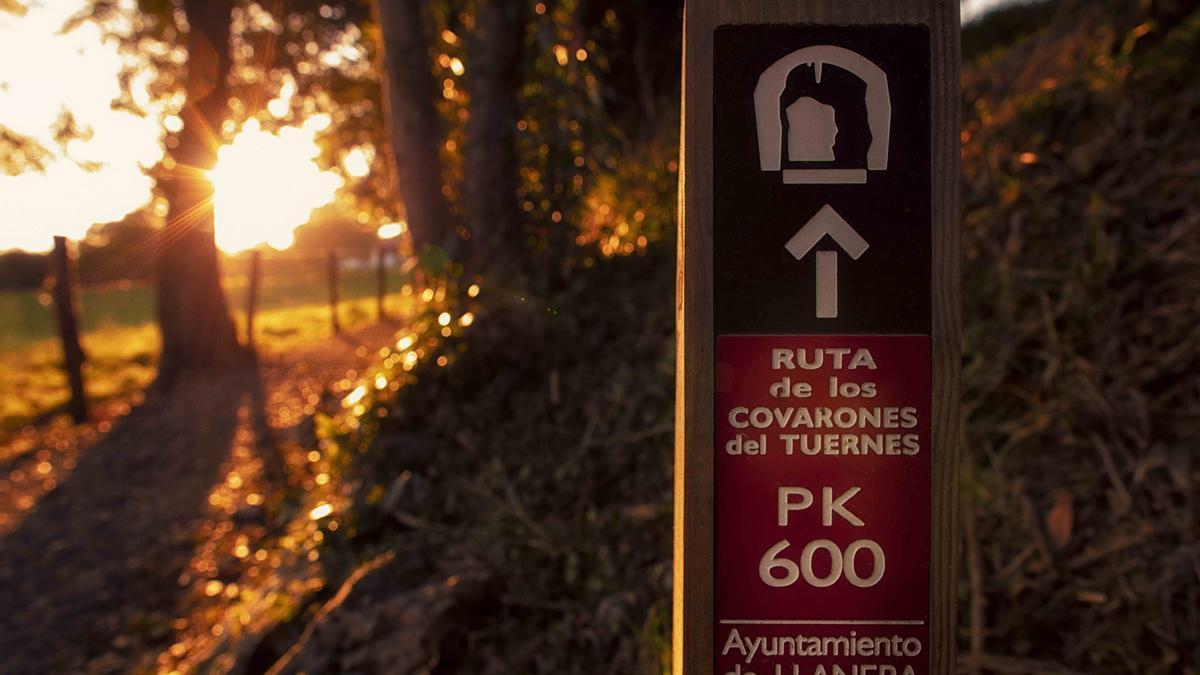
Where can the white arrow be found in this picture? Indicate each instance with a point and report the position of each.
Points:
(826, 222)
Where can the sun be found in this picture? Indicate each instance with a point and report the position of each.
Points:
(265, 185)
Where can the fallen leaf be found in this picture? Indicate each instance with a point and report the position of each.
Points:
(1060, 519)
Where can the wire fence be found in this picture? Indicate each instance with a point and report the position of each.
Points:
(255, 282)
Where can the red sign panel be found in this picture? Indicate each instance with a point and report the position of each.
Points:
(822, 504)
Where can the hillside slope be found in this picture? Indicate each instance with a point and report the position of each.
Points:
(1082, 344)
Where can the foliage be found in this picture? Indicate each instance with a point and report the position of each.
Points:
(112, 252)
(600, 83)
(122, 250)
(19, 152)
(294, 60)
(633, 204)
(19, 269)
(601, 88)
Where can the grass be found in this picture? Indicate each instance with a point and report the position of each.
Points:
(123, 359)
(27, 316)
(1081, 349)
(539, 452)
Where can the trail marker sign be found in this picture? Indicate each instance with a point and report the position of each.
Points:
(817, 400)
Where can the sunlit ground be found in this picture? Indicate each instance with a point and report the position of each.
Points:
(256, 557)
(243, 577)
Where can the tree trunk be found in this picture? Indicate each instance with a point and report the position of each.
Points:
(197, 330)
(413, 126)
(493, 78)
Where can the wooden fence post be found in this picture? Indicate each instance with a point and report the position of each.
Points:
(252, 295)
(381, 282)
(68, 327)
(817, 398)
(333, 290)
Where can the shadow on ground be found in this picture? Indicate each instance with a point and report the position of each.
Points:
(91, 574)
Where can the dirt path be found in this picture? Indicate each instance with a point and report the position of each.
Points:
(107, 544)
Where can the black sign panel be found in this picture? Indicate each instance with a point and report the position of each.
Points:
(821, 191)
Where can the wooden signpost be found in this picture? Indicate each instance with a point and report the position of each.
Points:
(817, 381)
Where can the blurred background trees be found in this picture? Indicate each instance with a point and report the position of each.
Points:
(483, 126)
(413, 126)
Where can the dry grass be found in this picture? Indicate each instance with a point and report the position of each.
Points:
(541, 453)
(1081, 351)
